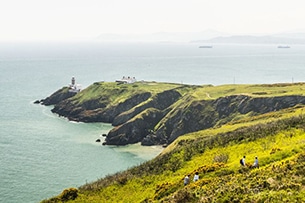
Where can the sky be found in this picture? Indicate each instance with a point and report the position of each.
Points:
(64, 20)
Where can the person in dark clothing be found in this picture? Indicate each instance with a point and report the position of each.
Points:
(243, 161)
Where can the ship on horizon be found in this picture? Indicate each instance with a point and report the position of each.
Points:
(206, 46)
(283, 46)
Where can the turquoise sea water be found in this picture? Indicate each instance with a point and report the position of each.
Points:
(41, 153)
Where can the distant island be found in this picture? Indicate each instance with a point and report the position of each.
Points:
(248, 39)
(207, 37)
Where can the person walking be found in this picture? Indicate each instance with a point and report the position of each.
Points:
(243, 161)
(196, 177)
(186, 180)
(255, 164)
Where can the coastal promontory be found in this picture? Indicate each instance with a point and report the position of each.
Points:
(156, 113)
(207, 130)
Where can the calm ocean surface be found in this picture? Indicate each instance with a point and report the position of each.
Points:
(41, 153)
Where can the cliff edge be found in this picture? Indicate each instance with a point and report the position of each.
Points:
(158, 113)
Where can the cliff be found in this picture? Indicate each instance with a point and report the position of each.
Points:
(56, 97)
(264, 121)
(276, 138)
(158, 113)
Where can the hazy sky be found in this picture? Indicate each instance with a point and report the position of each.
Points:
(86, 19)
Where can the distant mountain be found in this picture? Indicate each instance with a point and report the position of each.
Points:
(161, 36)
(292, 35)
(207, 37)
(247, 39)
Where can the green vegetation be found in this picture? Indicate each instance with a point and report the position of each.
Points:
(199, 92)
(277, 138)
(110, 90)
(265, 90)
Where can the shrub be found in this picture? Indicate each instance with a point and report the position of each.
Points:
(174, 163)
(68, 194)
(221, 158)
(275, 150)
(165, 189)
(122, 180)
(224, 172)
(188, 153)
(184, 195)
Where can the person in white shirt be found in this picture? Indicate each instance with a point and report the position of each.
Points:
(187, 179)
(196, 177)
(255, 164)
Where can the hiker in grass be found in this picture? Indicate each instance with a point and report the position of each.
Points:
(255, 164)
(243, 161)
(187, 179)
(196, 177)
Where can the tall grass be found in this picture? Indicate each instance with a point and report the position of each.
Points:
(276, 138)
(278, 144)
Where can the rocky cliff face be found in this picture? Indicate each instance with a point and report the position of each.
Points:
(97, 110)
(159, 118)
(205, 114)
(58, 96)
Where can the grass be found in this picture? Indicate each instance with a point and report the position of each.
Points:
(280, 150)
(119, 92)
(268, 90)
(276, 138)
(116, 93)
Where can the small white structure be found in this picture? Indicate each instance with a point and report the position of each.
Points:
(73, 87)
(127, 80)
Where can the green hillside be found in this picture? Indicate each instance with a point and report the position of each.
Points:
(277, 138)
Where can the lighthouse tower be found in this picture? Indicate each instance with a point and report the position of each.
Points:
(73, 81)
(73, 87)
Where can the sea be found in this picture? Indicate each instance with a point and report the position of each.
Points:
(41, 153)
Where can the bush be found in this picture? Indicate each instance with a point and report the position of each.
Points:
(221, 158)
(165, 189)
(275, 150)
(224, 172)
(188, 153)
(174, 163)
(68, 194)
(185, 195)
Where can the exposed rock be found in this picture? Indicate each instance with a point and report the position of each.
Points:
(114, 111)
(58, 96)
(158, 118)
(100, 111)
(204, 114)
(37, 102)
(135, 130)
(268, 104)
(160, 101)
(196, 116)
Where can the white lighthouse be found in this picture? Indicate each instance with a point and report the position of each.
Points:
(73, 87)
(73, 81)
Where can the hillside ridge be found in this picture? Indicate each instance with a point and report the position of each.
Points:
(264, 121)
(161, 115)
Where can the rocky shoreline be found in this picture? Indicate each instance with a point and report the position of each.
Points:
(157, 117)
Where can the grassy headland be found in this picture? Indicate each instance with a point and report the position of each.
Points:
(276, 137)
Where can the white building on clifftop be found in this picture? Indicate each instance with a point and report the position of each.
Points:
(127, 80)
(73, 87)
